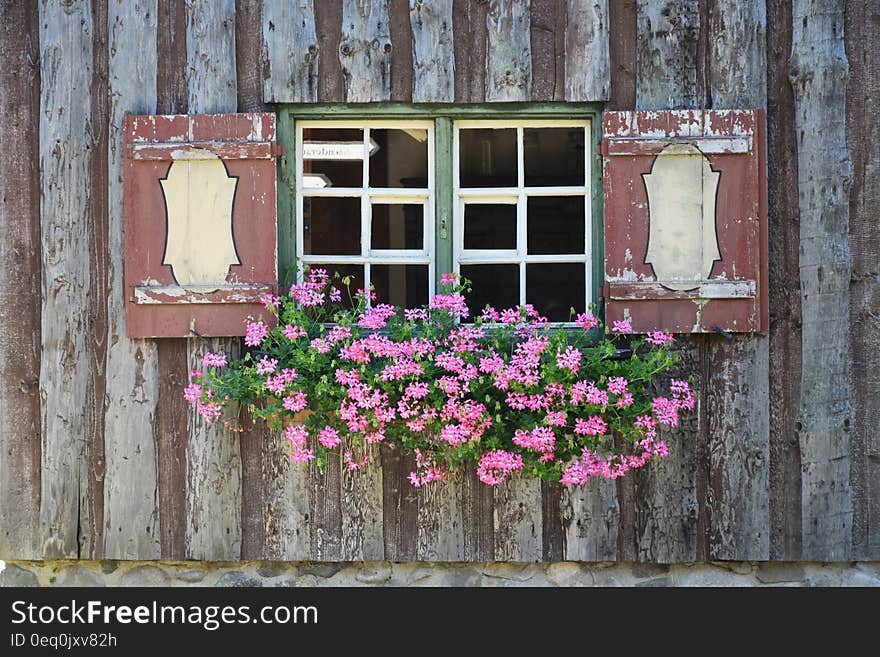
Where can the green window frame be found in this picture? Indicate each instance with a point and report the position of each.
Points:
(443, 117)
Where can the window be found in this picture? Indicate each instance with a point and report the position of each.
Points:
(394, 200)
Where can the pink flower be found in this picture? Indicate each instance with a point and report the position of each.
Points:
(192, 393)
(586, 321)
(335, 295)
(556, 419)
(270, 300)
(295, 402)
(666, 411)
(302, 455)
(267, 365)
(329, 437)
(425, 472)
(569, 360)
(592, 426)
(622, 327)
(455, 304)
(255, 333)
(681, 394)
(214, 360)
(353, 465)
(659, 338)
(540, 439)
(293, 332)
(415, 314)
(448, 278)
(494, 467)
(377, 317)
(297, 434)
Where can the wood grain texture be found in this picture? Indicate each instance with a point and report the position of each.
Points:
(20, 293)
(213, 457)
(285, 495)
(622, 20)
(131, 513)
(365, 51)
(290, 52)
(737, 411)
(402, 74)
(547, 18)
(328, 25)
(400, 510)
(588, 62)
(433, 52)
(361, 506)
(469, 23)
(440, 521)
(325, 502)
(65, 166)
(248, 55)
(862, 36)
(509, 51)
(785, 298)
(667, 54)
(590, 519)
(665, 495)
(171, 89)
(819, 79)
(518, 528)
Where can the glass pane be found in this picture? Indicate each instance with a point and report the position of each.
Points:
(496, 285)
(356, 272)
(400, 158)
(398, 226)
(405, 286)
(487, 157)
(553, 156)
(331, 226)
(554, 289)
(333, 157)
(555, 224)
(489, 226)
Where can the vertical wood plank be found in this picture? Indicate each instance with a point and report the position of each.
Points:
(170, 426)
(20, 282)
(785, 300)
(738, 410)
(325, 502)
(518, 526)
(819, 78)
(478, 522)
(287, 522)
(400, 510)
(131, 513)
(667, 53)
(590, 519)
(362, 538)
(290, 52)
(509, 51)
(433, 68)
(65, 165)
(213, 458)
(471, 41)
(402, 74)
(547, 18)
(328, 25)
(588, 62)
(665, 495)
(365, 51)
(622, 19)
(862, 36)
(440, 530)
(249, 73)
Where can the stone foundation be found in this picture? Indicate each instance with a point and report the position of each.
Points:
(262, 573)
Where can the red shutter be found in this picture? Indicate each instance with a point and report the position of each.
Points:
(686, 220)
(200, 222)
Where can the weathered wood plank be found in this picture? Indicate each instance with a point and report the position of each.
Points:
(552, 529)
(328, 25)
(400, 506)
(213, 457)
(509, 51)
(518, 529)
(738, 411)
(433, 67)
(172, 412)
(666, 51)
(325, 503)
(819, 79)
(590, 518)
(469, 22)
(622, 19)
(440, 531)
(290, 52)
(65, 165)
(365, 51)
(131, 513)
(785, 300)
(665, 495)
(402, 42)
(287, 523)
(478, 522)
(588, 62)
(249, 55)
(361, 499)
(547, 18)
(20, 282)
(862, 36)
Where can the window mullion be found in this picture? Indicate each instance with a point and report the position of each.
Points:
(443, 196)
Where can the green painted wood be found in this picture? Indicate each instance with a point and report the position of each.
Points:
(443, 196)
(547, 110)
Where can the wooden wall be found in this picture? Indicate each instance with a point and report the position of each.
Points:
(99, 456)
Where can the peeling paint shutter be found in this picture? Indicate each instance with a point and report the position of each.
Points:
(686, 220)
(200, 222)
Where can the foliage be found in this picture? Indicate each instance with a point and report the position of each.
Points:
(508, 391)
